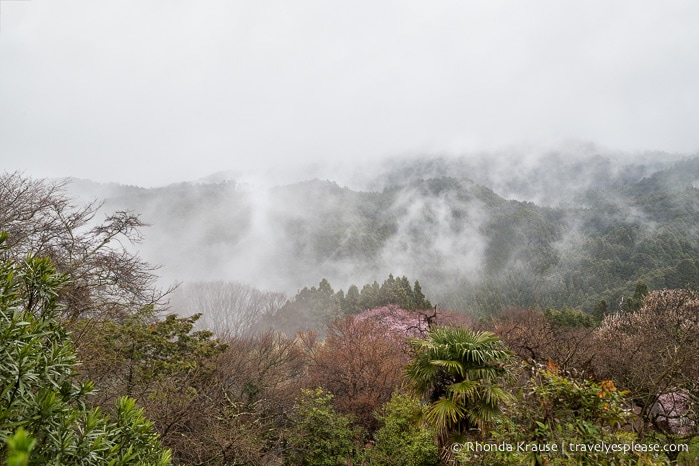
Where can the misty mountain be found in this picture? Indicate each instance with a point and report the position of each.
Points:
(556, 178)
(545, 233)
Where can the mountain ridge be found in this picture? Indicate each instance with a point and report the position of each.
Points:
(473, 249)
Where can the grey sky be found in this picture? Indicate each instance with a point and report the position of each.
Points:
(150, 92)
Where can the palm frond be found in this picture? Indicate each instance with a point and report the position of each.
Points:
(444, 413)
(451, 366)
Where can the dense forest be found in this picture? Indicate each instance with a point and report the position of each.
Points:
(423, 320)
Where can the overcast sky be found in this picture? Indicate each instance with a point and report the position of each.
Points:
(150, 92)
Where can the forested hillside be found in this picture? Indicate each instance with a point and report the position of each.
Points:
(99, 362)
(598, 228)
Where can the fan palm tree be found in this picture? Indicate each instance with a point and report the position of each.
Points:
(457, 371)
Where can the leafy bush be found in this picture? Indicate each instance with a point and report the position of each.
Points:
(559, 420)
(319, 435)
(402, 440)
(43, 417)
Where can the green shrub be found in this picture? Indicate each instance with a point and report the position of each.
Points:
(403, 440)
(319, 435)
(557, 419)
(43, 417)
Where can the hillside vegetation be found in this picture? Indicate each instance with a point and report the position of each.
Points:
(474, 251)
(553, 334)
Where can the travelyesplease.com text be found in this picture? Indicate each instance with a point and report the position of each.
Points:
(568, 447)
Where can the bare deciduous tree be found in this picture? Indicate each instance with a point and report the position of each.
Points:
(107, 277)
(537, 339)
(229, 309)
(654, 351)
(239, 416)
(361, 363)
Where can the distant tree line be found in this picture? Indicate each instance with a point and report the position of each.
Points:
(316, 307)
